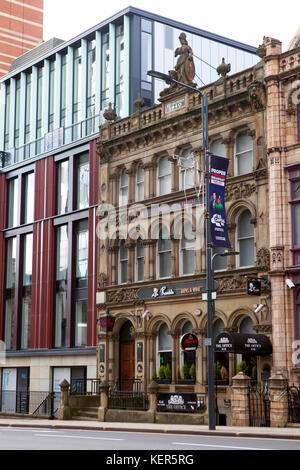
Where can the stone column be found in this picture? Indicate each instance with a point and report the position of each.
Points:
(64, 411)
(130, 245)
(147, 179)
(104, 388)
(175, 257)
(240, 400)
(152, 390)
(279, 409)
(146, 245)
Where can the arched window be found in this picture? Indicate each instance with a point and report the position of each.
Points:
(123, 195)
(218, 148)
(187, 251)
(187, 170)
(123, 263)
(245, 239)
(164, 176)
(221, 359)
(139, 196)
(164, 347)
(243, 153)
(139, 253)
(164, 254)
(187, 358)
(246, 326)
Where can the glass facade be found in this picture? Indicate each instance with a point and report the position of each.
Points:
(105, 71)
(29, 198)
(13, 203)
(26, 294)
(61, 286)
(62, 187)
(120, 71)
(82, 181)
(10, 290)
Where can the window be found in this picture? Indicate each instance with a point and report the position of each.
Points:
(220, 262)
(221, 359)
(62, 187)
(119, 70)
(298, 121)
(91, 82)
(164, 176)
(139, 260)
(13, 203)
(105, 71)
(123, 263)
(243, 153)
(298, 315)
(77, 85)
(80, 323)
(164, 347)
(83, 174)
(187, 170)
(81, 254)
(28, 108)
(17, 113)
(140, 183)
(146, 53)
(63, 95)
(164, 249)
(245, 239)
(7, 116)
(61, 286)
(26, 294)
(51, 95)
(188, 358)
(123, 197)
(39, 122)
(29, 198)
(218, 148)
(187, 250)
(10, 286)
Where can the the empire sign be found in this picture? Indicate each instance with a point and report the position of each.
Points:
(159, 292)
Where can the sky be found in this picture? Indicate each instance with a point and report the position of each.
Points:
(244, 21)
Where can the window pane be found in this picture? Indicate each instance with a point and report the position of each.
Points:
(188, 262)
(26, 299)
(297, 224)
(62, 253)
(140, 260)
(11, 246)
(217, 148)
(81, 323)
(164, 339)
(244, 142)
(246, 249)
(244, 163)
(81, 255)
(27, 260)
(245, 228)
(220, 262)
(29, 198)
(246, 326)
(123, 196)
(13, 196)
(62, 187)
(165, 264)
(187, 328)
(164, 167)
(83, 176)
(11, 254)
(60, 319)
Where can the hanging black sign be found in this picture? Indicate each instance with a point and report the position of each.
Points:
(253, 287)
(189, 342)
(219, 232)
(239, 343)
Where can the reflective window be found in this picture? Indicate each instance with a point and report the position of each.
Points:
(39, 122)
(17, 113)
(218, 148)
(123, 263)
(51, 95)
(7, 115)
(243, 153)
(62, 187)
(105, 71)
(146, 54)
(91, 79)
(63, 94)
(61, 286)
(28, 108)
(139, 260)
(140, 183)
(245, 239)
(164, 350)
(80, 323)
(119, 70)
(26, 294)
(10, 285)
(164, 176)
(82, 245)
(164, 249)
(77, 85)
(187, 249)
(123, 196)
(187, 170)
(13, 203)
(83, 177)
(29, 198)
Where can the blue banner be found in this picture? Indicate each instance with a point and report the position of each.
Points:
(219, 232)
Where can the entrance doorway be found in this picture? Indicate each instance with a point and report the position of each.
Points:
(127, 356)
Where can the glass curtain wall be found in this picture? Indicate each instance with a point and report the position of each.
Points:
(105, 71)
(12, 206)
(7, 111)
(29, 198)
(28, 109)
(26, 291)
(17, 113)
(81, 273)
(146, 53)
(39, 122)
(63, 94)
(82, 177)
(77, 91)
(62, 187)
(120, 71)
(91, 85)
(51, 96)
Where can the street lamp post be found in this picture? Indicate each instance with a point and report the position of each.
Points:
(209, 258)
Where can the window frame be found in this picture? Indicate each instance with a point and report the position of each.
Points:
(237, 155)
(158, 253)
(160, 177)
(237, 240)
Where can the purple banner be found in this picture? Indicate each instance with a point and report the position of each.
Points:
(219, 232)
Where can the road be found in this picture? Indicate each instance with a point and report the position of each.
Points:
(49, 439)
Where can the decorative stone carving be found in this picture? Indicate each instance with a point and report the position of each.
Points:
(223, 68)
(139, 103)
(257, 95)
(277, 257)
(239, 191)
(110, 114)
(232, 283)
(122, 295)
(103, 153)
(263, 259)
(103, 280)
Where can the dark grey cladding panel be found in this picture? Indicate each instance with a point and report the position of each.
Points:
(38, 52)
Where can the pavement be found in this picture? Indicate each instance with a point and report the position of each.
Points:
(272, 433)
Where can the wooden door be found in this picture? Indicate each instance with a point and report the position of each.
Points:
(127, 365)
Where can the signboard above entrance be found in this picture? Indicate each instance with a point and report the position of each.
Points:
(238, 343)
(189, 342)
(159, 292)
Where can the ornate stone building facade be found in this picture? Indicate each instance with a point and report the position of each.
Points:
(141, 262)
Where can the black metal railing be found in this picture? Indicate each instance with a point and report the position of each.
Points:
(259, 405)
(28, 402)
(85, 387)
(129, 385)
(128, 400)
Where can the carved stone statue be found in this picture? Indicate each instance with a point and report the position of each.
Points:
(185, 66)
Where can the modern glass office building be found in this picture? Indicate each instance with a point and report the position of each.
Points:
(54, 95)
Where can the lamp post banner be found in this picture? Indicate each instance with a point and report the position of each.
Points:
(219, 232)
